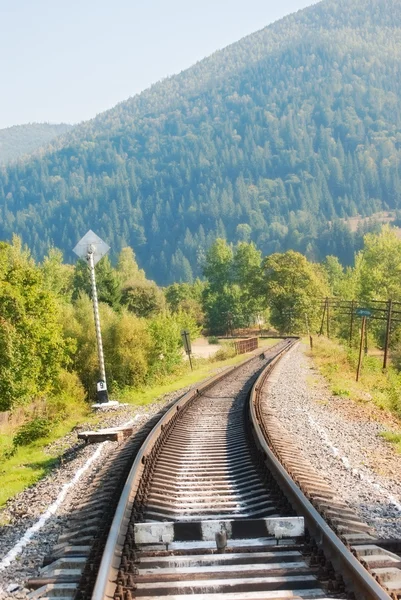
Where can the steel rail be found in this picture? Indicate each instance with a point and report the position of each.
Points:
(110, 563)
(354, 574)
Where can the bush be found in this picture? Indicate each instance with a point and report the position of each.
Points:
(68, 396)
(213, 339)
(127, 346)
(227, 351)
(33, 430)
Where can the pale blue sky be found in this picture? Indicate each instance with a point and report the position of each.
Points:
(68, 60)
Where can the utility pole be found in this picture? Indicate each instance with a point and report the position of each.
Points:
(324, 314)
(388, 330)
(328, 318)
(308, 330)
(351, 327)
(358, 371)
(92, 249)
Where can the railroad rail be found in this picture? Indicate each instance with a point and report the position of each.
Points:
(218, 505)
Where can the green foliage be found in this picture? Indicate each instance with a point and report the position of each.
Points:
(166, 347)
(78, 325)
(234, 294)
(294, 289)
(144, 299)
(127, 346)
(213, 339)
(276, 139)
(334, 272)
(23, 139)
(127, 267)
(227, 351)
(57, 276)
(31, 343)
(108, 283)
(31, 431)
(68, 397)
(187, 297)
(378, 266)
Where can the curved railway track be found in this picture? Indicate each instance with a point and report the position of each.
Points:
(209, 512)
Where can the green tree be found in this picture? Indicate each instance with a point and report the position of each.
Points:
(247, 274)
(127, 267)
(31, 343)
(334, 272)
(57, 276)
(378, 266)
(218, 265)
(143, 298)
(187, 297)
(293, 290)
(234, 296)
(108, 283)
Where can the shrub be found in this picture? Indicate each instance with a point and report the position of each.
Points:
(213, 339)
(127, 346)
(31, 345)
(33, 430)
(68, 396)
(227, 351)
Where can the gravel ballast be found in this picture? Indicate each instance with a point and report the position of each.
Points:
(341, 440)
(336, 436)
(28, 507)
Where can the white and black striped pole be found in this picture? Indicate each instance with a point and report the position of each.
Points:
(101, 385)
(92, 248)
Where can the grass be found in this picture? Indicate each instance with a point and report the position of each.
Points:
(337, 363)
(28, 464)
(393, 438)
(203, 369)
(23, 466)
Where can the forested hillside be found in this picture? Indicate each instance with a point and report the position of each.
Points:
(273, 139)
(24, 139)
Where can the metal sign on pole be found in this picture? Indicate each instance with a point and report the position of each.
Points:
(186, 339)
(363, 312)
(92, 249)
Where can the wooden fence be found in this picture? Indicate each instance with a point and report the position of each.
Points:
(243, 346)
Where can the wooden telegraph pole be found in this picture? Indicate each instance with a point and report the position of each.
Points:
(388, 328)
(363, 327)
(324, 314)
(351, 325)
(328, 319)
(308, 330)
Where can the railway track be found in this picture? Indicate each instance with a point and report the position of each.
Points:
(209, 512)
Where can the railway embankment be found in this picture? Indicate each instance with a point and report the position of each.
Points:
(342, 439)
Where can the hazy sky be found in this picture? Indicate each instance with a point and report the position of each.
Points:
(67, 60)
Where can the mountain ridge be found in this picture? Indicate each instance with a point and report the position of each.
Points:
(273, 139)
(19, 140)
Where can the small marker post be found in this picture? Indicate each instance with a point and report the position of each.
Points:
(186, 339)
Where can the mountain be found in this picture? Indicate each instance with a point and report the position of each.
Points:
(24, 139)
(277, 138)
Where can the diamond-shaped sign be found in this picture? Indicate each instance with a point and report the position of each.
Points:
(91, 242)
